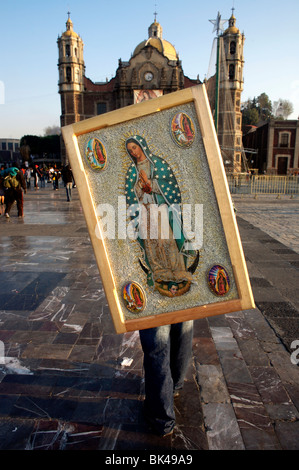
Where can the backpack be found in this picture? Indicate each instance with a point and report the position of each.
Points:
(11, 182)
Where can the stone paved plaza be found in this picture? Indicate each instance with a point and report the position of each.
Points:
(277, 216)
(68, 382)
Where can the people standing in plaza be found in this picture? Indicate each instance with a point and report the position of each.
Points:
(14, 183)
(55, 178)
(42, 178)
(67, 177)
(1, 192)
(37, 176)
(27, 177)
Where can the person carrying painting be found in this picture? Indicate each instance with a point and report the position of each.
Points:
(167, 349)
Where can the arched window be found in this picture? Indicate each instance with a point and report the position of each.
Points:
(232, 47)
(231, 72)
(67, 50)
(68, 74)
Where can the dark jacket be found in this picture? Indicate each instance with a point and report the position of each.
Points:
(67, 175)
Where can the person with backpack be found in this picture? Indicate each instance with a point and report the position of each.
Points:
(14, 183)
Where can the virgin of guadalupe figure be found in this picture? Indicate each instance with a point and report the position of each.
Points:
(133, 298)
(99, 153)
(222, 286)
(183, 130)
(95, 154)
(153, 191)
(187, 128)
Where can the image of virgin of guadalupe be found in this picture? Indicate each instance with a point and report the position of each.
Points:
(154, 199)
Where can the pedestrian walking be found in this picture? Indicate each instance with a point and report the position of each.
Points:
(27, 177)
(55, 178)
(1, 192)
(14, 184)
(67, 177)
(37, 176)
(167, 353)
(42, 178)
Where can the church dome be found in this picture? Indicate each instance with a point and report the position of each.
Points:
(163, 46)
(232, 29)
(155, 40)
(69, 30)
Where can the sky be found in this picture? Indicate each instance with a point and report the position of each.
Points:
(29, 99)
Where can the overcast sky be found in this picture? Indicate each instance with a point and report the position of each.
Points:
(29, 99)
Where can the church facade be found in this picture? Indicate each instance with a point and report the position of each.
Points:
(154, 69)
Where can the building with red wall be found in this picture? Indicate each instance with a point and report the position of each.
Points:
(277, 147)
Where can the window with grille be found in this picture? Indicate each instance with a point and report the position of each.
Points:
(284, 139)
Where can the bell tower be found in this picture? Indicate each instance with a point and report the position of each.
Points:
(155, 30)
(71, 75)
(230, 117)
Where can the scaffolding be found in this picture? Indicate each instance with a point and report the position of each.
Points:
(223, 108)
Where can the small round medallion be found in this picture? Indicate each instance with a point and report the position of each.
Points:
(218, 280)
(182, 130)
(134, 297)
(96, 155)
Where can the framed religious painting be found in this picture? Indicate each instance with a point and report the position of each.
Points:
(144, 95)
(156, 201)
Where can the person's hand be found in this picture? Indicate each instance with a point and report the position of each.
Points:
(143, 177)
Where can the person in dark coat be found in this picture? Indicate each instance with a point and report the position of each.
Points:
(67, 176)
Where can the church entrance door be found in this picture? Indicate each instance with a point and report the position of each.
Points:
(282, 165)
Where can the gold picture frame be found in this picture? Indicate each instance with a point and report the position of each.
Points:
(141, 170)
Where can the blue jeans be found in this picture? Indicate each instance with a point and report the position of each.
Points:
(68, 188)
(167, 352)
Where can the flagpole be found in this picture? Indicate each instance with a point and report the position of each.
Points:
(217, 87)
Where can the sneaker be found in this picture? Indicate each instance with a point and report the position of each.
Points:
(7, 216)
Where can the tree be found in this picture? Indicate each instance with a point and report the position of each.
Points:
(259, 110)
(40, 146)
(33, 143)
(264, 106)
(282, 108)
(250, 116)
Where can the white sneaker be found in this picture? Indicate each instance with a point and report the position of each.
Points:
(7, 216)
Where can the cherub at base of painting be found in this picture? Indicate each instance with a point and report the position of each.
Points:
(172, 289)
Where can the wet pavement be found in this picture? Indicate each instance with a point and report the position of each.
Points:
(68, 382)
